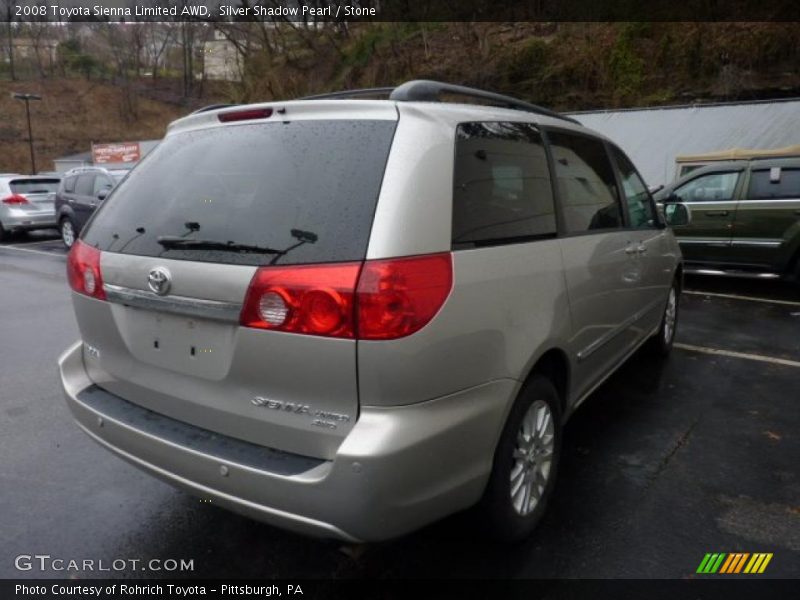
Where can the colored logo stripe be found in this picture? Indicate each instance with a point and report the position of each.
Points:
(722, 563)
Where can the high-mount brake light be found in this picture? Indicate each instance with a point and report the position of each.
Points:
(244, 115)
(83, 270)
(373, 300)
(15, 199)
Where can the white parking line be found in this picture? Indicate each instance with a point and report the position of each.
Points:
(36, 243)
(758, 357)
(31, 250)
(735, 297)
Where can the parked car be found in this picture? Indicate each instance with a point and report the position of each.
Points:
(26, 203)
(80, 193)
(351, 318)
(745, 218)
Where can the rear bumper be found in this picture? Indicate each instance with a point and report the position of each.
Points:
(17, 220)
(398, 469)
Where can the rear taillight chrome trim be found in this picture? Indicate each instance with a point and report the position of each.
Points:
(180, 305)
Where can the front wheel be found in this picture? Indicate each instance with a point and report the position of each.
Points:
(661, 343)
(67, 229)
(525, 463)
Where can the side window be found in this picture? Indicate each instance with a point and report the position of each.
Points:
(101, 183)
(85, 185)
(710, 187)
(641, 212)
(586, 184)
(69, 184)
(774, 183)
(501, 185)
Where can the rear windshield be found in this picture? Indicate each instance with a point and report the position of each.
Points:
(33, 186)
(278, 193)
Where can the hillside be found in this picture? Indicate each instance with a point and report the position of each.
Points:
(72, 114)
(566, 66)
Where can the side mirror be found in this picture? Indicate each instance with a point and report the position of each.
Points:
(102, 194)
(677, 214)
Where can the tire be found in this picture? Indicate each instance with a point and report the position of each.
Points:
(660, 345)
(3, 234)
(506, 515)
(67, 230)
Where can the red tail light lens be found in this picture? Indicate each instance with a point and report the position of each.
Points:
(83, 270)
(15, 199)
(398, 297)
(311, 299)
(379, 300)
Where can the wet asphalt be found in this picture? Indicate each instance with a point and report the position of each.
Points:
(664, 463)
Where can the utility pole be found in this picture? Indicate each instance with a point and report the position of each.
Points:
(27, 98)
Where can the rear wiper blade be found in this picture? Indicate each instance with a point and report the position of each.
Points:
(169, 242)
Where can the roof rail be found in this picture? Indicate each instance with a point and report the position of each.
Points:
(211, 107)
(423, 90)
(379, 91)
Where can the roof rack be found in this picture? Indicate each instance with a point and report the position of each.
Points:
(423, 90)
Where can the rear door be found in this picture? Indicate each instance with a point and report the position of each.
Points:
(712, 199)
(766, 231)
(601, 267)
(278, 195)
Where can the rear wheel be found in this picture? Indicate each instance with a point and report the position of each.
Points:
(67, 229)
(525, 463)
(3, 233)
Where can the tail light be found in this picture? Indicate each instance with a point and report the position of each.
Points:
(15, 199)
(83, 270)
(376, 300)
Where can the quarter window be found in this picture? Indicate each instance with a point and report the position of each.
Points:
(709, 188)
(640, 205)
(586, 185)
(69, 184)
(502, 191)
(775, 183)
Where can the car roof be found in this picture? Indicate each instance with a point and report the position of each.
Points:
(449, 113)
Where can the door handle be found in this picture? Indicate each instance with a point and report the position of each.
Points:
(716, 213)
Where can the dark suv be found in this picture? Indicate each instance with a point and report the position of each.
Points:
(79, 194)
(745, 218)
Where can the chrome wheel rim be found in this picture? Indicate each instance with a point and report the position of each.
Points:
(67, 233)
(670, 315)
(533, 457)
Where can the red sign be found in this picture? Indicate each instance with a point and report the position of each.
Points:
(125, 152)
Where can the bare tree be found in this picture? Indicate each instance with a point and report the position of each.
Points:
(8, 4)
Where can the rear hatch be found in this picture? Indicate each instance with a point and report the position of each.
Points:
(180, 242)
(38, 191)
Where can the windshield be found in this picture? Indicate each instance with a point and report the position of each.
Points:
(34, 186)
(283, 192)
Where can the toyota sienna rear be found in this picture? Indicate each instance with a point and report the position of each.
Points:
(351, 318)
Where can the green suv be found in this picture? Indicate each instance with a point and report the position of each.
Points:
(745, 218)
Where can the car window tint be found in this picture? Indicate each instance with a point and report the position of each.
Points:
(586, 184)
(33, 186)
(502, 191)
(101, 182)
(85, 185)
(69, 184)
(641, 211)
(764, 187)
(305, 189)
(710, 187)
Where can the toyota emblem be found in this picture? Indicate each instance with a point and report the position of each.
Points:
(159, 280)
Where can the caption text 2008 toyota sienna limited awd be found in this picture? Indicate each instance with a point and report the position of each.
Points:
(352, 317)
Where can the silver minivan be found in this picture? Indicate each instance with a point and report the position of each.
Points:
(352, 317)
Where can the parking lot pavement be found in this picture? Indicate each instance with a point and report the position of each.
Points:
(45, 241)
(661, 465)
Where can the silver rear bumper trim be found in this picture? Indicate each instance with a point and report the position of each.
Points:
(182, 305)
